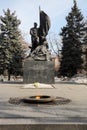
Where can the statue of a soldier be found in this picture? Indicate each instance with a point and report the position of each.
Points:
(39, 49)
(34, 37)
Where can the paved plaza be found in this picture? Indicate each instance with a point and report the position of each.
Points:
(73, 112)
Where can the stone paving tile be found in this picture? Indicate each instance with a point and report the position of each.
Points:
(44, 120)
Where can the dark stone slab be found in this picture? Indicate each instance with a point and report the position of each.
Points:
(44, 127)
(38, 71)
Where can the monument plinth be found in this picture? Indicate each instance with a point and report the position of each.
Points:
(38, 71)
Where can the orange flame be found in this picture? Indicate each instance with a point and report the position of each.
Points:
(37, 97)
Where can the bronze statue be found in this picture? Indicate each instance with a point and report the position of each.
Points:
(34, 37)
(39, 50)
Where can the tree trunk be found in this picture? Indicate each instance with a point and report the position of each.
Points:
(9, 75)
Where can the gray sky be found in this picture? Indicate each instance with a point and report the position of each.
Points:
(28, 12)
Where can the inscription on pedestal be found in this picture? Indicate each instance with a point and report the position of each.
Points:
(38, 71)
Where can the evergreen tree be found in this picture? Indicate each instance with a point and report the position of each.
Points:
(85, 49)
(72, 39)
(10, 46)
(85, 35)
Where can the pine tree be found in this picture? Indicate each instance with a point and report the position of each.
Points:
(72, 39)
(10, 47)
(85, 49)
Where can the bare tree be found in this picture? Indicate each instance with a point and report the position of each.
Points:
(55, 44)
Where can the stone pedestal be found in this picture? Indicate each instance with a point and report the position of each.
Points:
(38, 71)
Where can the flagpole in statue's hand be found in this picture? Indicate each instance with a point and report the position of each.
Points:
(39, 14)
(39, 9)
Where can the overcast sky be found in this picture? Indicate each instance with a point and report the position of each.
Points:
(28, 12)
